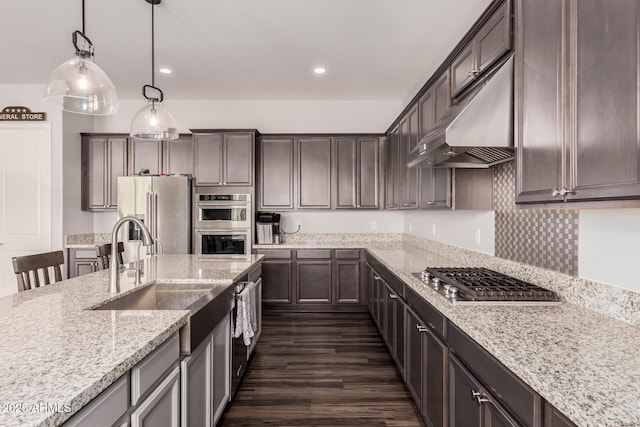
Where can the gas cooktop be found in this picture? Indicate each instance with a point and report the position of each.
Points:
(475, 285)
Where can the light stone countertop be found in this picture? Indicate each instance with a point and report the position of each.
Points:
(55, 352)
(584, 363)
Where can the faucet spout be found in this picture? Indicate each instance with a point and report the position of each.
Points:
(114, 277)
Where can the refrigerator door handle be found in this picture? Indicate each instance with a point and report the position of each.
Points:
(154, 230)
(149, 217)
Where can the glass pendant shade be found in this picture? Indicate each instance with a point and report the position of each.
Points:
(80, 86)
(153, 122)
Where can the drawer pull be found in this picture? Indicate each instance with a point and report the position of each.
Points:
(392, 296)
(239, 370)
(479, 397)
(421, 328)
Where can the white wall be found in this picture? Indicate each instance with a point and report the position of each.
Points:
(31, 96)
(609, 247)
(266, 116)
(474, 230)
(343, 222)
(75, 220)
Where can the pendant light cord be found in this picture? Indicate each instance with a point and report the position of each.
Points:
(153, 47)
(83, 32)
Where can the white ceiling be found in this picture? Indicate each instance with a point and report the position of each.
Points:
(243, 49)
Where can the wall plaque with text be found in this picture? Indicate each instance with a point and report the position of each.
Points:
(21, 114)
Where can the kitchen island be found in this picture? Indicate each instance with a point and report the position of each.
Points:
(57, 354)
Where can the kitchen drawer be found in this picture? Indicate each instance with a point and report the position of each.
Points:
(434, 319)
(275, 253)
(525, 403)
(85, 253)
(105, 409)
(313, 254)
(152, 367)
(347, 254)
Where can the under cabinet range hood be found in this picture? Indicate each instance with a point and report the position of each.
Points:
(475, 133)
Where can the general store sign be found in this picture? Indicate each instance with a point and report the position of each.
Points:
(21, 114)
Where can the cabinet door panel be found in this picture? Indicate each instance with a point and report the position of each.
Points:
(539, 93)
(494, 39)
(442, 98)
(426, 113)
(238, 165)
(277, 282)
(345, 152)
(409, 175)
(463, 408)
(208, 159)
(314, 173)
(399, 335)
(442, 188)
(462, 69)
(607, 158)
(368, 176)
(392, 183)
(146, 155)
(347, 282)
(413, 373)
(276, 174)
(434, 379)
(117, 151)
(495, 416)
(97, 163)
(162, 407)
(196, 386)
(178, 156)
(313, 281)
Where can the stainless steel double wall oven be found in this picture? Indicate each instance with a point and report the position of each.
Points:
(222, 224)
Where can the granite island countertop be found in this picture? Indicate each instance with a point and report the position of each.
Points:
(56, 352)
(584, 363)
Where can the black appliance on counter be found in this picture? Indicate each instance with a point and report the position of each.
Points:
(268, 228)
(481, 285)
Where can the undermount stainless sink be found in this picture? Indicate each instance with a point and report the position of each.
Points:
(207, 303)
(160, 296)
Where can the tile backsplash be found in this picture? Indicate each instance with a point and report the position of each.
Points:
(546, 238)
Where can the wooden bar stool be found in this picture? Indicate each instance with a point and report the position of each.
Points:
(27, 269)
(103, 253)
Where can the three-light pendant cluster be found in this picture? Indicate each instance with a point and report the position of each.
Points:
(80, 86)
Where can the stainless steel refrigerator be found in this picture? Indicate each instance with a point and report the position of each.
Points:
(163, 203)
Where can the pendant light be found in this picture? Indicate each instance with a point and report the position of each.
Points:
(79, 85)
(153, 122)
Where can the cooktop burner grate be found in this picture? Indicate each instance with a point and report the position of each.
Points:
(481, 284)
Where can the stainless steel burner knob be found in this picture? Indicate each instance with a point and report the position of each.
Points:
(453, 293)
(436, 283)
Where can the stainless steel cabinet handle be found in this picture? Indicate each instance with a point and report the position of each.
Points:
(239, 369)
(479, 397)
(421, 328)
(392, 296)
(376, 278)
(555, 192)
(564, 191)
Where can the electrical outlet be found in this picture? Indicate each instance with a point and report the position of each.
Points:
(433, 229)
(478, 236)
(410, 225)
(374, 224)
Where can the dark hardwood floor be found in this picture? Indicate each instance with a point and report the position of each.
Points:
(321, 370)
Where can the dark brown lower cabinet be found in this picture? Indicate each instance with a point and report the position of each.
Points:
(314, 281)
(426, 370)
(554, 418)
(277, 277)
(470, 404)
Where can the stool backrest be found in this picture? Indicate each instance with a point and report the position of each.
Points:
(29, 268)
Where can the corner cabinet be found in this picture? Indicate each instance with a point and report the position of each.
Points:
(104, 159)
(577, 127)
(223, 158)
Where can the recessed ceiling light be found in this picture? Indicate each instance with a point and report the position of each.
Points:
(319, 70)
(165, 70)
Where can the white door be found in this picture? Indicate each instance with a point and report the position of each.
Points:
(25, 195)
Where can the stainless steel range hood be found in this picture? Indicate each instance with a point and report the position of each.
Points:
(475, 133)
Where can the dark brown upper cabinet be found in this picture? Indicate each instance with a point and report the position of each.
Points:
(276, 173)
(104, 159)
(491, 41)
(392, 182)
(314, 173)
(577, 100)
(224, 158)
(169, 157)
(435, 188)
(356, 173)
